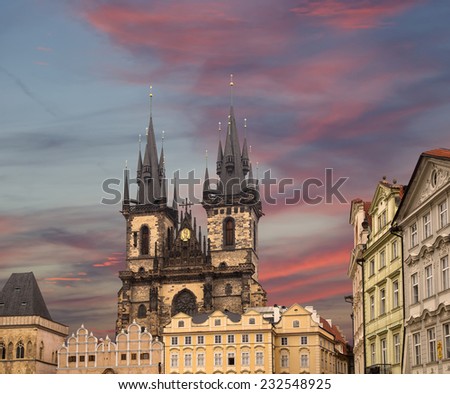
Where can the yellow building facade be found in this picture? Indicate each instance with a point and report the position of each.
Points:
(303, 345)
(383, 298)
(134, 352)
(299, 341)
(220, 342)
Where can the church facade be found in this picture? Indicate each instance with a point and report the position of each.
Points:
(171, 267)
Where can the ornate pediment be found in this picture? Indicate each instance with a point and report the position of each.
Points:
(436, 178)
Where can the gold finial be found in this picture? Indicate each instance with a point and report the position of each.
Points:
(231, 89)
(151, 99)
(245, 127)
(250, 148)
(146, 131)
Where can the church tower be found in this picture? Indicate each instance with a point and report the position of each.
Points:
(171, 266)
(233, 209)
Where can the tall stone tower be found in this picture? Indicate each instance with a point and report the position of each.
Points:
(170, 266)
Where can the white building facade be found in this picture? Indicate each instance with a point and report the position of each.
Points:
(423, 221)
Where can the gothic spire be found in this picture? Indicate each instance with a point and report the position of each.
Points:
(175, 192)
(126, 190)
(151, 166)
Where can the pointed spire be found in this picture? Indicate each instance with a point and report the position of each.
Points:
(139, 177)
(219, 153)
(175, 192)
(162, 170)
(245, 158)
(126, 187)
(206, 184)
(151, 165)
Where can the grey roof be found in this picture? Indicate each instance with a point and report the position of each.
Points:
(202, 317)
(21, 296)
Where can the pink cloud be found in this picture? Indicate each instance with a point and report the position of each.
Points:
(352, 14)
(44, 49)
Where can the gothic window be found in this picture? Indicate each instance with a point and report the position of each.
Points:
(228, 289)
(2, 351)
(10, 350)
(29, 349)
(20, 350)
(185, 301)
(145, 240)
(142, 311)
(229, 226)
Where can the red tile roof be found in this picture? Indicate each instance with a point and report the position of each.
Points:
(439, 152)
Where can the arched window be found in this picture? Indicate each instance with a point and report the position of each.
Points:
(142, 311)
(20, 350)
(2, 351)
(145, 240)
(229, 231)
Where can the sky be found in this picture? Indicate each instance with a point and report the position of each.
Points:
(360, 87)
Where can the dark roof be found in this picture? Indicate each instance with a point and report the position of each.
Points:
(202, 317)
(21, 296)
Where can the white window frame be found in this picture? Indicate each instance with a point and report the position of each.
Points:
(429, 280)
(382, 301)
(200, 360)
(394, 250)
(396, 340)
(443, 214)
(188, 340)
(230, 338)
(445, 273)
(244, 338)
(304, 361)
(414, 235)
(446, 333)
(382, 258)
(395, 294)
(174, 341)
(259, 338)
(427, 225)
(431, 335)
(284, 362)
(417, 349)
(217, 339)
(372, 307)
(384, 356)
(245, 356)
(188, 360)
(284, 341)
(217, 359)
(174, 360)
(303, 340)
(200, 340)
(415, 295)
(259, 358)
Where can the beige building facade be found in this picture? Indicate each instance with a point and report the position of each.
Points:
(135, 351)
(29, 338)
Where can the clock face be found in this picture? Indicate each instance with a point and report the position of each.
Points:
(185, 234)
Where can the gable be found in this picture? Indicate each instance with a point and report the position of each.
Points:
(430, 176)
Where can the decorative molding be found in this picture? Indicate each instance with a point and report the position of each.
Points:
(437, 178)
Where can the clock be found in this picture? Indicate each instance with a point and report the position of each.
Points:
(185, 234)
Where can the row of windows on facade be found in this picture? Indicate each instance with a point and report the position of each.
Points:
(123, 357)
(427, 228)
(429, 280)
(251, 320)
(383, 350)
(7, 353)
(382, 259)
(231, 338)
(231, 360)
(432, 345)
(382, 299)
(229, 227)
